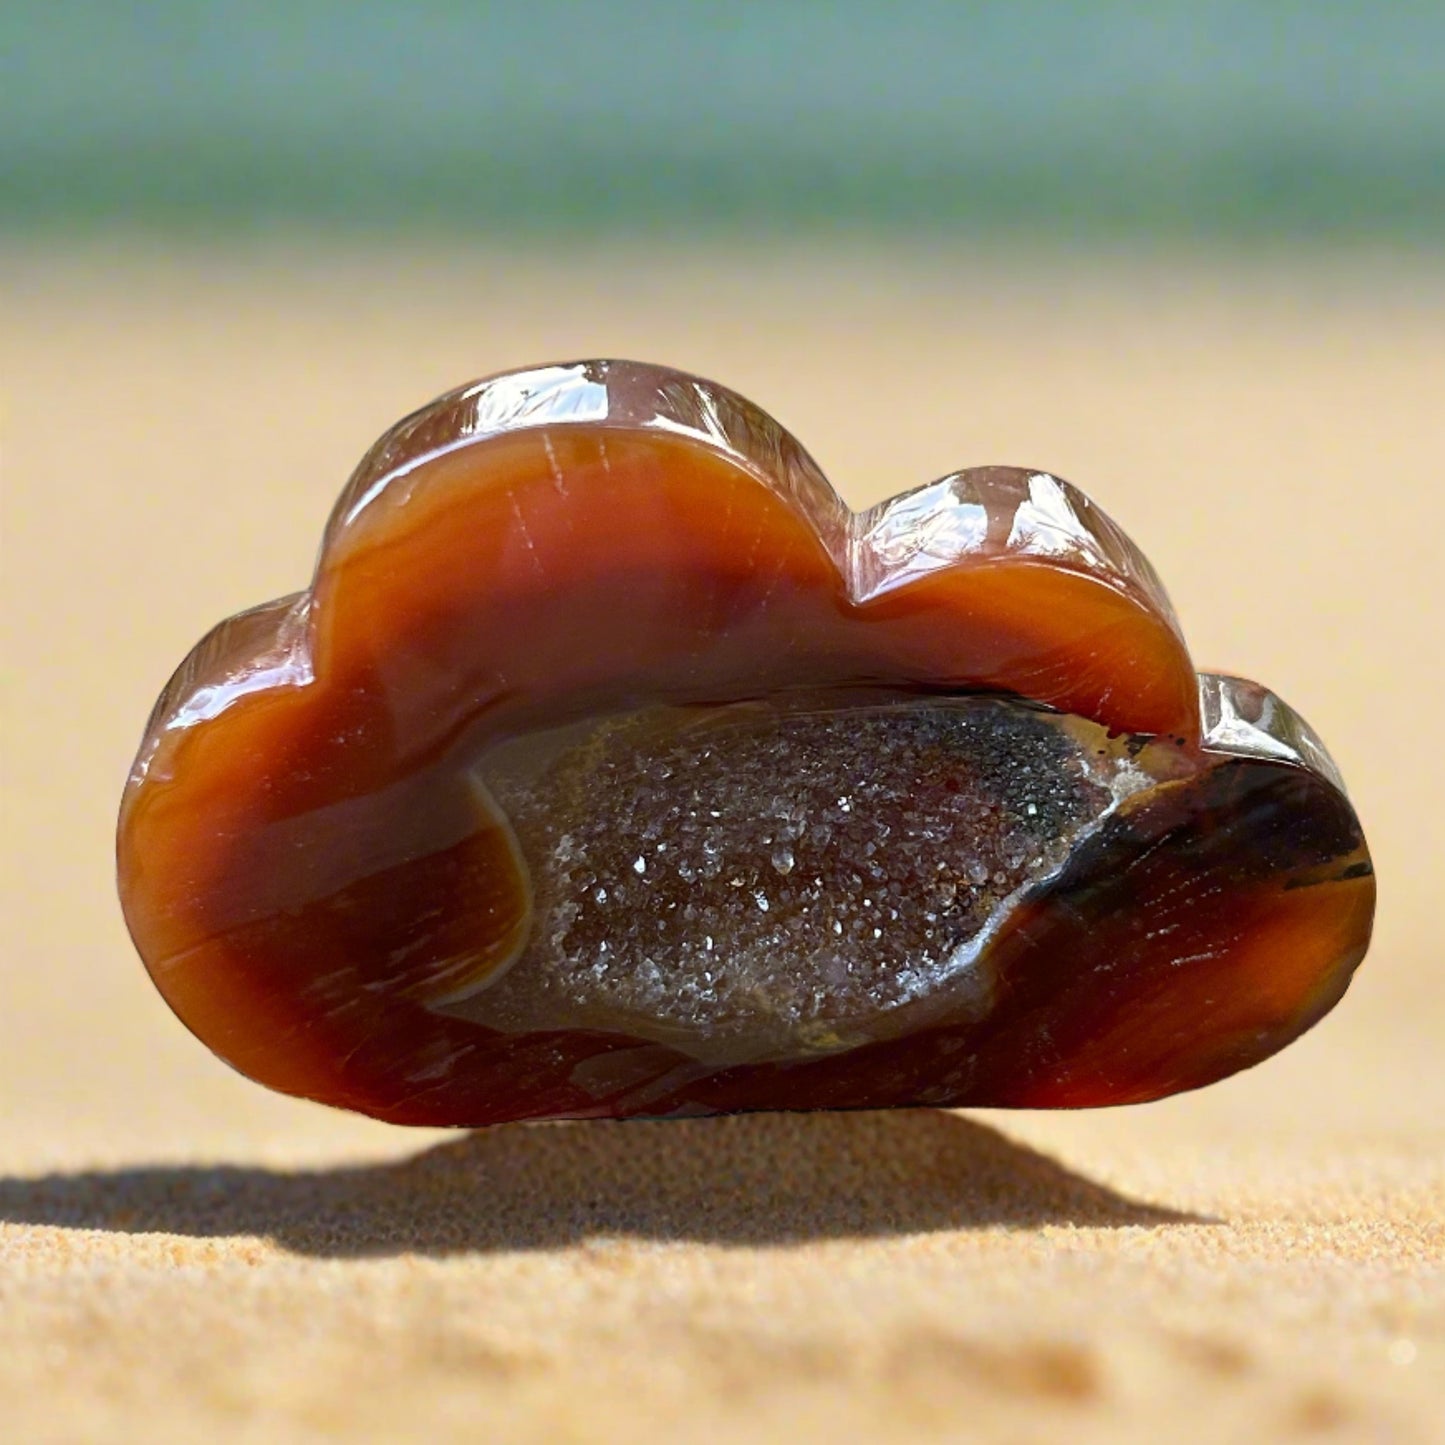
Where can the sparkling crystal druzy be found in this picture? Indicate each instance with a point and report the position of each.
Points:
(610, 766)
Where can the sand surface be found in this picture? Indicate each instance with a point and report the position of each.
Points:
(184, 1257)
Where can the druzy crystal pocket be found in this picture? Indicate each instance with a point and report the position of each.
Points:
(610, 766)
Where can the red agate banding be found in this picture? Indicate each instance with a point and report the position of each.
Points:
(611, 766)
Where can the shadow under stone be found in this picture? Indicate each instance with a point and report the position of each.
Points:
(756, 1179)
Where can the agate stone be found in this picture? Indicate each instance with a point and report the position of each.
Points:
(610, 766)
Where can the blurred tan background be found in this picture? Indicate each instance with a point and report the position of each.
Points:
(183, 1256)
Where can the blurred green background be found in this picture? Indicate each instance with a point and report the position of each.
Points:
(1249, 118)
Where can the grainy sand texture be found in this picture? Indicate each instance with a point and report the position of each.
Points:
(184, 1257)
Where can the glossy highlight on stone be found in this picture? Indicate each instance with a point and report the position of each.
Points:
(610, 767)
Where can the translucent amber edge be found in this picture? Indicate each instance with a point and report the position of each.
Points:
(876, 550)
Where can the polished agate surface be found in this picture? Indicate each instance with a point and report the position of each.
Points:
(610, 766)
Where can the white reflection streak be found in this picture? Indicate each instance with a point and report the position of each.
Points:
(211, 701)
(1046, 525)
(548, 395)
(918, 534)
